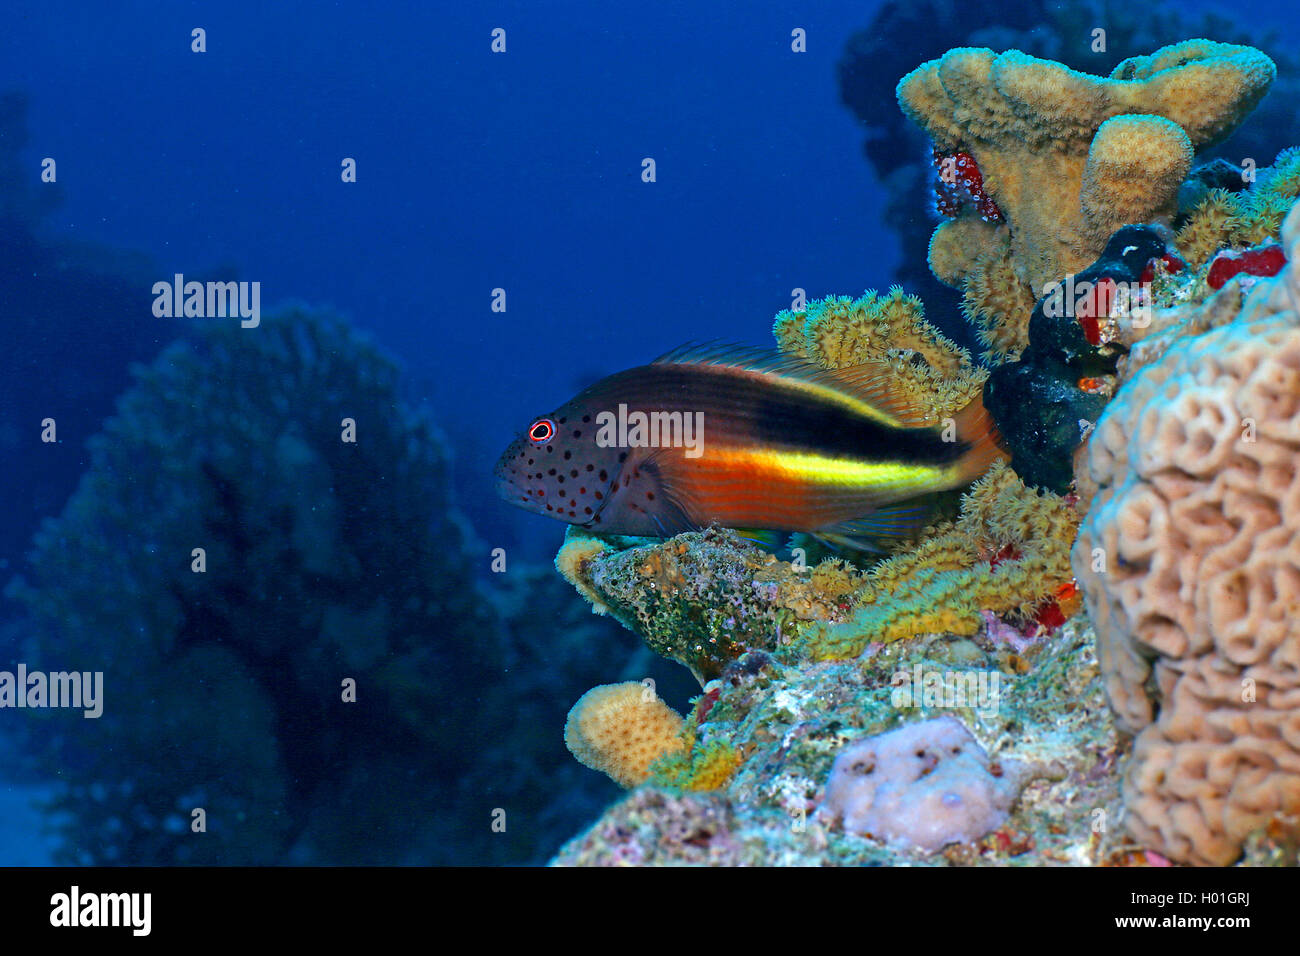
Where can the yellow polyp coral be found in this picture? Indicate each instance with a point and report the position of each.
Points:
(1008, 552)
(1060, 173)
(697, 766)
(578, 549)
(937, 375)
(1209, 227)
(998, 304)
(1224, 220)
(1262, 208)
(621, 729)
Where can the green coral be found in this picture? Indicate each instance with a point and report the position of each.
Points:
(700, 766)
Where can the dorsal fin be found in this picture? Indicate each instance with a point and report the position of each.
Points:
(872, 383)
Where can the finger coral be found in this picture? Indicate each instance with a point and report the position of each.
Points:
(1068, 157)
(1189, 565)
(621, 729)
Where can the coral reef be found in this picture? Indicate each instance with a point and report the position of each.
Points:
(923, 786)
(1068, 157)
(621, 729)
(942, 704)
(791, 721)
(896, 149)
(1188, 563)
(322, 561)
(704, 599)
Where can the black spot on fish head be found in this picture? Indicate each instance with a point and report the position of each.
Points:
(558, 467)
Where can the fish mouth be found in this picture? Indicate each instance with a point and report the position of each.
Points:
(514, 487)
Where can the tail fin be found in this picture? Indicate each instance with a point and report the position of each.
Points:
(976, 427)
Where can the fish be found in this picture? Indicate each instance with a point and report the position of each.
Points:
(746, 438)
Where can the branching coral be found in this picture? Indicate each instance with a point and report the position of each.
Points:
(1069, 157)
(1188, 560)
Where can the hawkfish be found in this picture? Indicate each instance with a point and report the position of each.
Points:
(744, 438)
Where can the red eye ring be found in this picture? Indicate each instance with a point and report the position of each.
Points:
(541, 431)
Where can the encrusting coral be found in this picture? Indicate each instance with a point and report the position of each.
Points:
(1069, 157)
(621, 729)
(1188, 561)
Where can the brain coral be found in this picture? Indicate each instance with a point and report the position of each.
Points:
(923, 785)
(1190, 564)
(621, 729)
(1069, 157)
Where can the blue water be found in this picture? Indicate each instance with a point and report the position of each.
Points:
(476, 171)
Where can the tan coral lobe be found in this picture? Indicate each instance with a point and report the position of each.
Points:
(620, 729)
(1031, 123)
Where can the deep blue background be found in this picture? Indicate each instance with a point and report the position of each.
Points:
(476, 171)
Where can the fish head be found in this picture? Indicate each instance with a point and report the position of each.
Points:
(558, 468)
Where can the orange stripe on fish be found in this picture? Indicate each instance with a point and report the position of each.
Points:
(739, 437)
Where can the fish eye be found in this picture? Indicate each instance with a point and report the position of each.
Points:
(541, 431)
